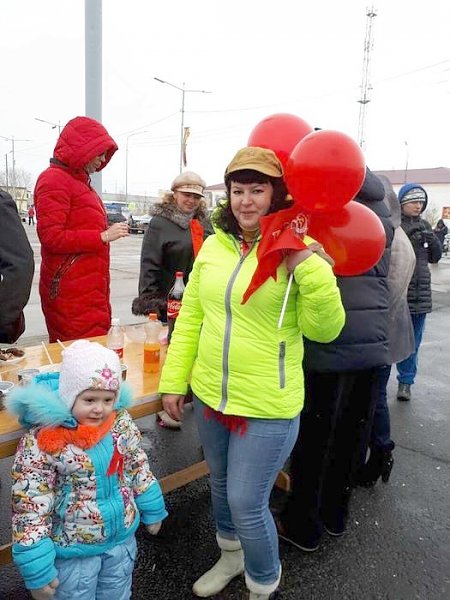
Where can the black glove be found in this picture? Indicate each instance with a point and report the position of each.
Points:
(427, 236)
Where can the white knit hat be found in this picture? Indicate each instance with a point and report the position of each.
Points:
(87, 365)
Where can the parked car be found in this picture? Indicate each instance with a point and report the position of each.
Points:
(138, 223)
(115, 217)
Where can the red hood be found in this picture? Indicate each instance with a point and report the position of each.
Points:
(81, 140)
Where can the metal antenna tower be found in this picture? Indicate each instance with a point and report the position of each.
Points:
(366, 87)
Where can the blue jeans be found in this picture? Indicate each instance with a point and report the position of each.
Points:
(407, 369)
(381, 427)
(243, 471)
(107, 576)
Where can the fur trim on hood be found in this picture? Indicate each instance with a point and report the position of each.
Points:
(39, 403)
(169, 210)
(149, 303)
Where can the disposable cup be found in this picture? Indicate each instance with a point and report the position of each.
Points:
(26, 375)
(124, 371)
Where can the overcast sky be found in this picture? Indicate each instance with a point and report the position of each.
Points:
(257, 57)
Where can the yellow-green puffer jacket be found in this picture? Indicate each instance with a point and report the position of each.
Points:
(241, 363)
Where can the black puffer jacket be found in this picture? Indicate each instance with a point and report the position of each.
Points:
(16, 270)
(428, 250)
(363, 343)
(166, 248)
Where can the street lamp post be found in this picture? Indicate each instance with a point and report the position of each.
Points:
(13, 179)
(183, 91)
(126, 161)
(54, 125)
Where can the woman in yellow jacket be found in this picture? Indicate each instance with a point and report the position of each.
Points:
(245, 372)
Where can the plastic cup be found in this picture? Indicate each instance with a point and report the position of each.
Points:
(5, 387)
(124, 371)
(26, 375)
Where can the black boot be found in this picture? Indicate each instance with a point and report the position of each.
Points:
(380, 464)
(404, 392)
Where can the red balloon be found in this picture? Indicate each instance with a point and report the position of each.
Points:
(353, 236)
(326, 170)
(280, 133)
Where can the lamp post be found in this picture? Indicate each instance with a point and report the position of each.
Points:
(54, 125)
(13, 178)
(126, 161)
(406, 163)
(183, 91)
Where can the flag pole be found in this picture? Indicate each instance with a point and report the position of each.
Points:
(283, 308)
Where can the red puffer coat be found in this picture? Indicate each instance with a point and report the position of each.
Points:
(74, 282)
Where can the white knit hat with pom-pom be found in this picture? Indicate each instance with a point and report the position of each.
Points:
(88, 365)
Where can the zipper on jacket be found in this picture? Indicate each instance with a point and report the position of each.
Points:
(281, 364)
(228, 323)
(60, 272)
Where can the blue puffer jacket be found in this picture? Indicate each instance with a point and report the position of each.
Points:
(65, 503)
(363, 342)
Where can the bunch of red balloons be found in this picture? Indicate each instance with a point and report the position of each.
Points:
(324, 170)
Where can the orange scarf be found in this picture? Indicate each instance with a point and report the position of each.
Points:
(53, 439)
(197, 235)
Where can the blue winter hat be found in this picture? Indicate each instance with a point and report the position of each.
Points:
(412, 192)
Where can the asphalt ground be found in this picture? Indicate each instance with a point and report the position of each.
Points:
(397, 546)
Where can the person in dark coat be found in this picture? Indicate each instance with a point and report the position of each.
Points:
(340, 397)
(413, 201)
(173, 238)
(170, 242)
(16, 271)
(440, 231)
(401, 344)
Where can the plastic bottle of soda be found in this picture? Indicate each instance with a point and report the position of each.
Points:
(115, 338)
(174, 300)
(152, 346)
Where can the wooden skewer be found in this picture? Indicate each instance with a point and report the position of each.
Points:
(46, 352)
(61, 344)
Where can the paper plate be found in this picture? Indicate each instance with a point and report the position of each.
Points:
(12, 361)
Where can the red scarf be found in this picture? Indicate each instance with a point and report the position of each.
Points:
(233, 423)
(197, 235)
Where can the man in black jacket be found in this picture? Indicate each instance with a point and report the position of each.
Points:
(341, 390)
(16, 271)
(413, 201)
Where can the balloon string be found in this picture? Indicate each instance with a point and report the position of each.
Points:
(283, 308)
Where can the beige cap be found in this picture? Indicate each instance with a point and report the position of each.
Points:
(257, 159)
(189, 182)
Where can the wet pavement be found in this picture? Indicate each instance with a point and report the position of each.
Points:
(397, 546)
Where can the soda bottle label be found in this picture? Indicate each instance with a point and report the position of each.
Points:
(173, 308)
(118, 351)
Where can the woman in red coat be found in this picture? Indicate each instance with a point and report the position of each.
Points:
(74, 234)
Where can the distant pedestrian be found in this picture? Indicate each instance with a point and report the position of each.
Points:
(440, 231)
(74, 234)
(16, 271)
(31, 215)
(413, 201)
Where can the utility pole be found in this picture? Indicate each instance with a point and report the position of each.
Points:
(93, 68)
(183, 91)
(13, 178)
(366, 87)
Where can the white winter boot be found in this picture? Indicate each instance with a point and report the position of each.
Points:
(229, 566)
(261, 591)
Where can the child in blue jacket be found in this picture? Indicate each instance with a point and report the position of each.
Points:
(81, 481)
